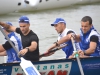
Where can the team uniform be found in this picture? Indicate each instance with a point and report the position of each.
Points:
(11, 53)
(69, 48)
(91, 36)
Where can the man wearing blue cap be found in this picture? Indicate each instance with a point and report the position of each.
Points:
(89, 39)
(6, 48)
(30, 41)
(60, 26)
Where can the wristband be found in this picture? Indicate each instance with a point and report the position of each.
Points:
(84, 52)
(27, 48)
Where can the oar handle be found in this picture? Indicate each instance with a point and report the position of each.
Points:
(73, 43)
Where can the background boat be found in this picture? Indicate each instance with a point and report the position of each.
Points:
(8, 6)
(51, 4)
(88, 1)
(48, 4)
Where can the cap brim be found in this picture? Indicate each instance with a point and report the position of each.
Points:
(52, 24)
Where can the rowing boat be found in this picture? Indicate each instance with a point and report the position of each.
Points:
(48, 4)
(52, 4)
(91, 66)
(9, 6)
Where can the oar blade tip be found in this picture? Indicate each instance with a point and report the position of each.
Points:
(28, 67)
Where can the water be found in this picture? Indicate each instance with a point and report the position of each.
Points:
(40, 23)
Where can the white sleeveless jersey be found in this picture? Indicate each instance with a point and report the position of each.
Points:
(64, 33)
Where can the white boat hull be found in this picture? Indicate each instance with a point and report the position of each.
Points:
(51, 4)
(88, 1)
(8, 6)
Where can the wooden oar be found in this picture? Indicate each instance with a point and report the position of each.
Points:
(53, 50)
(26, 65)
(77, 56)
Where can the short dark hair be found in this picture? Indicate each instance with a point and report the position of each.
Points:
(87, 18)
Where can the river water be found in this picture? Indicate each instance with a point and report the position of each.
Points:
(40, 23)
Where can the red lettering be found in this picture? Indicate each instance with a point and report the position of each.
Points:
(51, 73)
(60, 72)
(19, 74)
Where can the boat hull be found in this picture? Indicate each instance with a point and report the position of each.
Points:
(51, 4)
(91, 66)
(8, 6)
(88, 1)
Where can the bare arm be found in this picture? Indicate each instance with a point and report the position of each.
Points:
(68, 37)
(64, 39)
(77, 38)
(33, 46)
(91, 48)
(1, 48)
(53, 46)
(61, 41)
(3, 53)
(11, 28)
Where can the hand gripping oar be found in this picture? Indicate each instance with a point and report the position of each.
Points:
(53, 50)
(26, 65)
(77, 56)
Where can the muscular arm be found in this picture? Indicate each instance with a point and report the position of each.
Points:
(33, 46)
(66, 38)
(11, 28)
(77, 38)
(62, 40)
(3, 53)
(93, 44)
(1, 48)
(5, 46)
(34, 43)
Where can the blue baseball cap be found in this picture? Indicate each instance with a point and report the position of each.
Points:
(9, 23)
(58, 20)
(23, 19)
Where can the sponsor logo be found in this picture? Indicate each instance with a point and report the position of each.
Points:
(47, 69)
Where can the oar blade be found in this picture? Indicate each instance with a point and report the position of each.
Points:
(28, 67)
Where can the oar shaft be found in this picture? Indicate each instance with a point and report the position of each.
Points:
(53, 50)
(44, 54)
(77, 56)
(80, 66)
